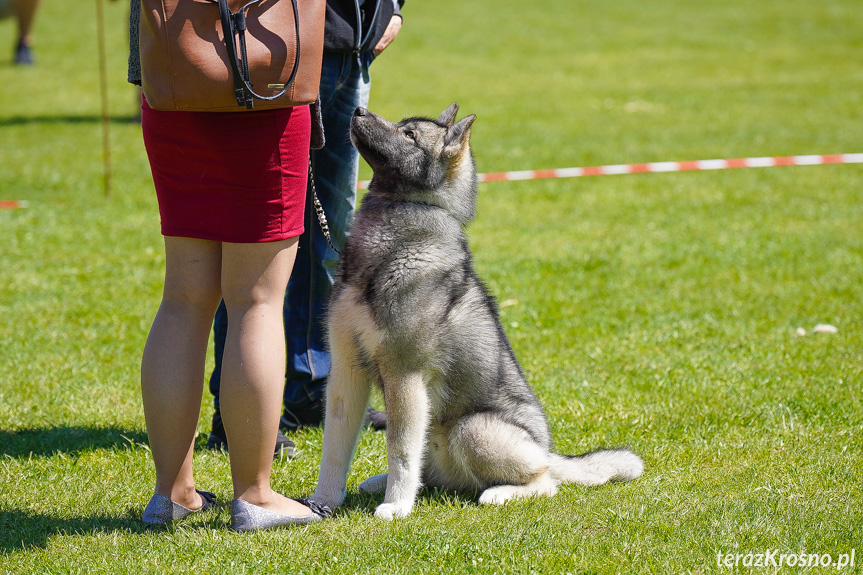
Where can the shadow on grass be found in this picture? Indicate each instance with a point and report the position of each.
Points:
(449, 498)
(366, 503)
(22, 530)
(66, 439)
(66, 119)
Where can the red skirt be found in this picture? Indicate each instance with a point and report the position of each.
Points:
(230, 177)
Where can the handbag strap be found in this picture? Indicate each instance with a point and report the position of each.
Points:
(234, 25)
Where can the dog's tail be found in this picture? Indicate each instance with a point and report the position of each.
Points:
(597, 467)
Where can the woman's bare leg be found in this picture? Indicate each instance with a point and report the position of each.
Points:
(172, 368)
(25, 12)
(254, 279)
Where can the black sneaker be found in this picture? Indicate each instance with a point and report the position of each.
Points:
(218, 440)
(284, 447)
(23, 54)
(377, 420)
(312, 415)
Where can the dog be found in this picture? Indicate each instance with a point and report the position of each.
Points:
(409, 313)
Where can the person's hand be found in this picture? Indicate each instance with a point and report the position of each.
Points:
(389, 35)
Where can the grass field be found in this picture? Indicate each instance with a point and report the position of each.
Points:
(657, 311)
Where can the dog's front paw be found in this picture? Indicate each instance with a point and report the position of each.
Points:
(390, 511)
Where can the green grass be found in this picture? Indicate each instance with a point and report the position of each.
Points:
(657, 311)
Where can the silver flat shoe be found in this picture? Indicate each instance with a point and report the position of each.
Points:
(248, 517)
(161, 510)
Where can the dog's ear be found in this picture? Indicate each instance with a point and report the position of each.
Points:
(457, 136)
(447, 117)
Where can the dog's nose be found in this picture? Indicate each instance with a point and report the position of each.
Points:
(360, 111)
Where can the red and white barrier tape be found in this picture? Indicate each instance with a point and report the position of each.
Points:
(657, 167)
(12, 204)
(619, 169)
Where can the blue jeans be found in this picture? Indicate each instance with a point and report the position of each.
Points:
(345, 85)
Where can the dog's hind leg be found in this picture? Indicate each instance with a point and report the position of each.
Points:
(503, 458)
(347, 396)
(407, 405)
(543, 485)
(375, 483)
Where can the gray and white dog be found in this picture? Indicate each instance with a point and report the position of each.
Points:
(409, 313)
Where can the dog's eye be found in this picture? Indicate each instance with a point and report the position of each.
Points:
(409, 134)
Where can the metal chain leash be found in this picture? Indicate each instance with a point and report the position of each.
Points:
(319, 209)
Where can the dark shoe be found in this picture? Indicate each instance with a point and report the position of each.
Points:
(161, 510)
(23, 54)
(377, 420)
(248, 517)
(218, 440)
(284, 447)
(312, 415)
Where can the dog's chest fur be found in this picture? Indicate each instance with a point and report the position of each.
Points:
(405, 259)
(406, 288)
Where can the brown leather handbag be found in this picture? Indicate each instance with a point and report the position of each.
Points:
(191, 60)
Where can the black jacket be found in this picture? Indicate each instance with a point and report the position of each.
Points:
(343, 33)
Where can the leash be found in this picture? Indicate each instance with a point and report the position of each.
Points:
(319, 209)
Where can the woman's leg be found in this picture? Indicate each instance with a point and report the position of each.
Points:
(172, 369)
(25, 12)
(254, 278)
